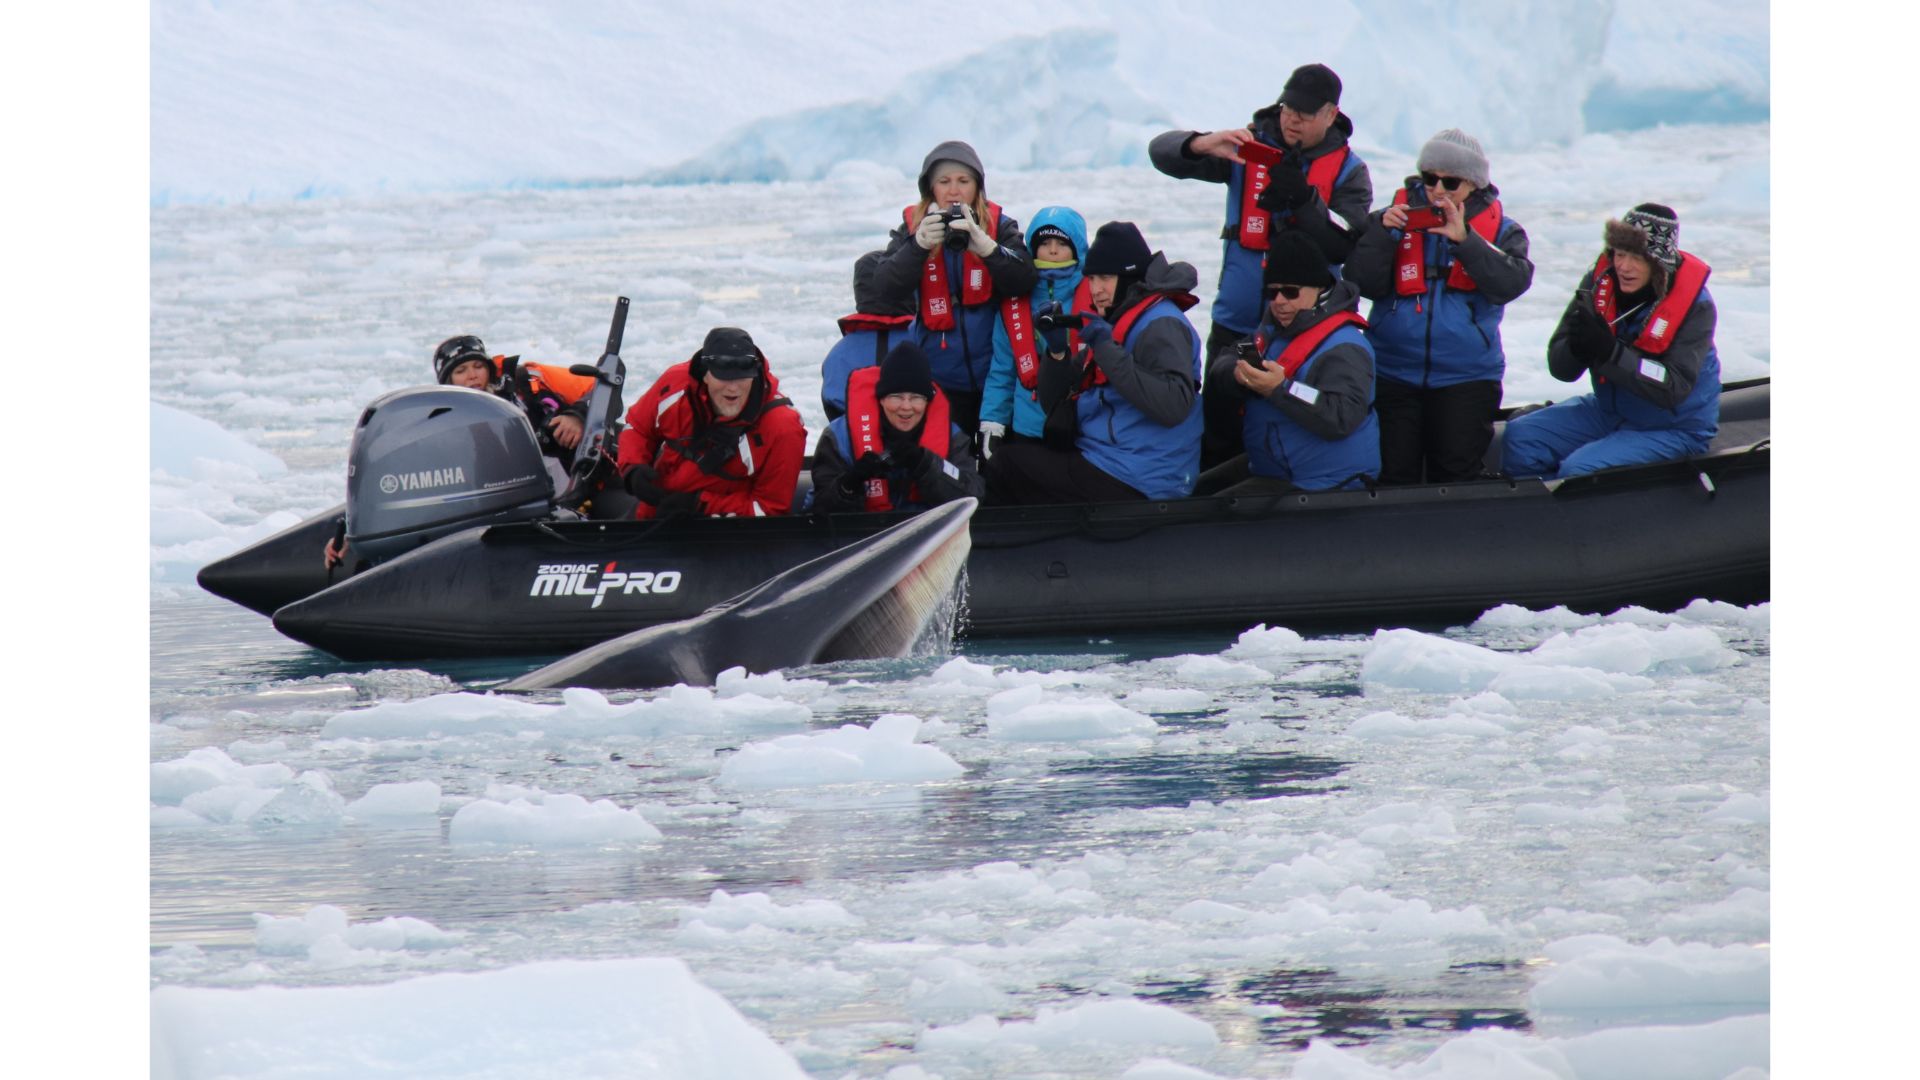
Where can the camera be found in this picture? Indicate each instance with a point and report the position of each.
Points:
(1424, 217)
(955, 238)
(1052, 317)
(1248, 351)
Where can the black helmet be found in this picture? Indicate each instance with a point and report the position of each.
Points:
(456, 351)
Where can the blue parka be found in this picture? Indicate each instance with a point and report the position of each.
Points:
(1318, 430)
(1443, 336)
(1142, 427)
(1005, 401)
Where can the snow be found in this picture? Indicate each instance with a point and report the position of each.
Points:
(560, 1018)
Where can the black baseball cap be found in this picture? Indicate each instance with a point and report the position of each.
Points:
(1310, 87)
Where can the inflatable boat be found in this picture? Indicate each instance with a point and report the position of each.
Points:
(1656, 535)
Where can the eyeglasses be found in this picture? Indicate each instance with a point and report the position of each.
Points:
(1451, 183)
(904, 398)
(1291, 292)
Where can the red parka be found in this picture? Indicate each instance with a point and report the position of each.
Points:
(747, 466)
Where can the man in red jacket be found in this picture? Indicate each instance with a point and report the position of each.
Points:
(713, 436)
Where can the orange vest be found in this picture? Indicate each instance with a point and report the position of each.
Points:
(1410, 262)
(1256, 223)
(866, 431)
(1664, 324)
(936, 312)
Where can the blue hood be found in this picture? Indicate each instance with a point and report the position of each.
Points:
(1067, 220)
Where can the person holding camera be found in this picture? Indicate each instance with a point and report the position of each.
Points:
(1306, 378)
(953, 258)
(1440, 265)
(897, 447)
(866, 336)
(1641, 328)
(1123, 410)
(713, 436)
(1057, 236)
(1289, 170)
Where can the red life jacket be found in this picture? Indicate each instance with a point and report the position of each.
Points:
(1410, 262)
(866, 428)
(858, 321)
(1124, 325)
(1302, 346)
(1663, 325)
(1255, 230)
(1017, 314)
(699, 452)
(935, 294)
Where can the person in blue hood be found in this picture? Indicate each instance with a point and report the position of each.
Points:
(953, 258)
(1057, 236)
(1123, 411)
(1640, 327)
(866, 336)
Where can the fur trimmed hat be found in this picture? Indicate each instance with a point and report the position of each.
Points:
(1651, 231)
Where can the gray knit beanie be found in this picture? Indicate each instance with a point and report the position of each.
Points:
(1455, 153)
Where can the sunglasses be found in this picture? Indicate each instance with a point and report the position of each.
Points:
(1291, 292)
(1451, 183)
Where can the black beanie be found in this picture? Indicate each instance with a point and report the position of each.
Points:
(456, 351)
(1118, 248)
(1293, 259)
(905, 371)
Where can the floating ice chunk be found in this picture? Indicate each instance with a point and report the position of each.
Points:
(558, 820)
(415, 798)
(1265, 642)
(1403, 823)
(1387, 725)
(582, 713)
(298, 935)
(1552, 682)
(1757, 618)
(1746, 914)
(1029, 714)
(1599, 971)
(1104, 1024)
(310, 800)
(1417, 661)
(1744, 808)
(1628, 649)
(725, 911)
(882, 753)
(948, 987)
(1731, 1049)
(961, 671)
(638, 1018)
(207, 768)
(1004, 885)
(1610, 809)
(174, 817)
(735, 681)
(1324, 871)
(1213, 671)
(1515, 617)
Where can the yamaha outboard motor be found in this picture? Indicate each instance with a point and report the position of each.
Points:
(430, 461)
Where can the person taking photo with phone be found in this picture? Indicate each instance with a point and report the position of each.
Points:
(1440, 265)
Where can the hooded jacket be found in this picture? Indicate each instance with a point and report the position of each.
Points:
(947, 472)
(1445, 335)
(746, 467)
(1141, 426)
(1006, 401)
(1317, 430)
(1677, 390)
(1237, 303)
(961, 356)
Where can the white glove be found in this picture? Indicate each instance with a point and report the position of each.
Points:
(978, 241)
(932, 231)
(990, 432)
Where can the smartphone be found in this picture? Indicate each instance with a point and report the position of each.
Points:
(1424, 217)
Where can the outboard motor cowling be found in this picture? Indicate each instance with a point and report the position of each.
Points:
(429, 461)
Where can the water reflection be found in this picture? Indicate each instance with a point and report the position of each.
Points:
(1321, 1003)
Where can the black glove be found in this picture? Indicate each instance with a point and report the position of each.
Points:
(677, 504)
(1057, 340)
(1591, 340)
(1287, 189)
(869, 466)
(913, 459)
(643, 483)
